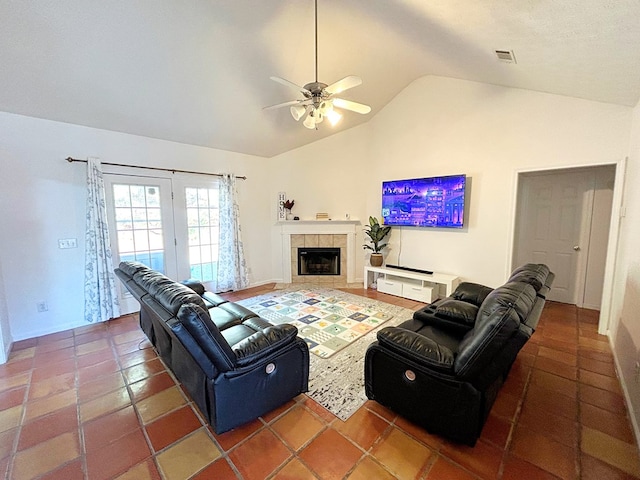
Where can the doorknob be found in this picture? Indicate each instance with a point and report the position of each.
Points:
(576, 248)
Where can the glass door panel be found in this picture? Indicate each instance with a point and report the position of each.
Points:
(141, 226)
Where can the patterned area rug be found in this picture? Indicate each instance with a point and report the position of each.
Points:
(327, 320)
(335, 382)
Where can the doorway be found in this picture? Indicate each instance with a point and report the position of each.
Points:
(169, 224)
(562, 220)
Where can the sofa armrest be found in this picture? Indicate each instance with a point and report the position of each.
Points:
(449, 314)
(263, 343)
(473, 293)
(417, 347)
(457, 311)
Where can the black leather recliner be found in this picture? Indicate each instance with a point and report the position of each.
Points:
(443, 368)
(235, 365)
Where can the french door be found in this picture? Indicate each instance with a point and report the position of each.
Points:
(170, 225)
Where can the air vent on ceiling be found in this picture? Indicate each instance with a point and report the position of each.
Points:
(506, 56)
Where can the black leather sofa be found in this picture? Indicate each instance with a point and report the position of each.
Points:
(235, 365)
(443, 369)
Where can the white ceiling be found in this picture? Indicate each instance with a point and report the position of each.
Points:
(198, 71)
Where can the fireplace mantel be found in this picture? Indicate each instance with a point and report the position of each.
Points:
(320, 227)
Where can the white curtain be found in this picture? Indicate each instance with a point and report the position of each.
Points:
(232, 268)
(100, 294)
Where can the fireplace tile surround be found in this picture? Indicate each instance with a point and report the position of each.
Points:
(319, 233)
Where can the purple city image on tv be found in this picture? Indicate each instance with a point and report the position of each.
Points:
(424, 202)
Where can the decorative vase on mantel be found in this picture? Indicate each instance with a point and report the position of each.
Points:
(376, 260)
(289, 215)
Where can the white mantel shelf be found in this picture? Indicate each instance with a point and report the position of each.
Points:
(327, 227)
(318, 222)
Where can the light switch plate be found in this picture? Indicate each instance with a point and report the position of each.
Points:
(67, 243)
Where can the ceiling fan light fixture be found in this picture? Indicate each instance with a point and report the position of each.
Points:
(318, 96)
(309, 122)
(297, 111)
(334, 117)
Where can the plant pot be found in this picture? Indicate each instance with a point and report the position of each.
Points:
(376, 260)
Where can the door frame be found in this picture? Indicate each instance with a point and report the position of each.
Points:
(605, 319)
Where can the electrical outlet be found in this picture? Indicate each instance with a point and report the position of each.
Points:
(67, 243)
(42, 307)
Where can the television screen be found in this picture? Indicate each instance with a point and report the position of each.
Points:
(424, 202)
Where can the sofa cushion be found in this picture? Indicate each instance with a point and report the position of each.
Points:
(237, 333)
(223, 318)
(212, 299)
(197, 322)
(534, 274)
(131, 268)
(172, 295)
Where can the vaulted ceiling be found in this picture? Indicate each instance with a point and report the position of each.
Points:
(198, 71)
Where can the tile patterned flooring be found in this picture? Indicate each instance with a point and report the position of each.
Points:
(97, 403)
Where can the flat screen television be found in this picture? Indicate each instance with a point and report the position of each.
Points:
(424, 202)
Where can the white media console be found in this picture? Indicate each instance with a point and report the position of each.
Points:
(417, 286)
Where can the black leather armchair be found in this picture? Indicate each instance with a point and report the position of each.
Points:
(235, 365)
(443, 368)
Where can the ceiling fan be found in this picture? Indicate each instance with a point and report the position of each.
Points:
(319, 100)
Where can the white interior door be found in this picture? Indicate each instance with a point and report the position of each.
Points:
(141, 227)
(553, 226)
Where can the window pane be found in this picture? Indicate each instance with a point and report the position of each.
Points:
(192, 217)
(153, 197)
(205, 255)
(201, 215)
(156, 242)
(125, 242)
(194, 255)
(194, 236)
(141, 240)
(137, 196)
(205, 236)
(121, 196)
(123, 219)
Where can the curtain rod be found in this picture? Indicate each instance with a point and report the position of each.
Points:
(172, 170)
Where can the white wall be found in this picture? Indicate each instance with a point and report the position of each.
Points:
(439, 126)
(625, 326)
(42, 199)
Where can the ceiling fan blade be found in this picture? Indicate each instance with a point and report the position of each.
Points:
(344, 84)
(287, 83)
(353, 106)
(280, 105)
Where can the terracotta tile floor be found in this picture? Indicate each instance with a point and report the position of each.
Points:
(97, 403)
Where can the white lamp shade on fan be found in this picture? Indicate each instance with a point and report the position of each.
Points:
(297, 111)
(333, 116)
(309, 122)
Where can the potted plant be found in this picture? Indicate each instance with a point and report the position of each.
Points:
(288, 205)
(376, 233)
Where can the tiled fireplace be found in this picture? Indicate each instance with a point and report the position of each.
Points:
(327, 239)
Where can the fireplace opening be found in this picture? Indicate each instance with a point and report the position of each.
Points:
(318, 261)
